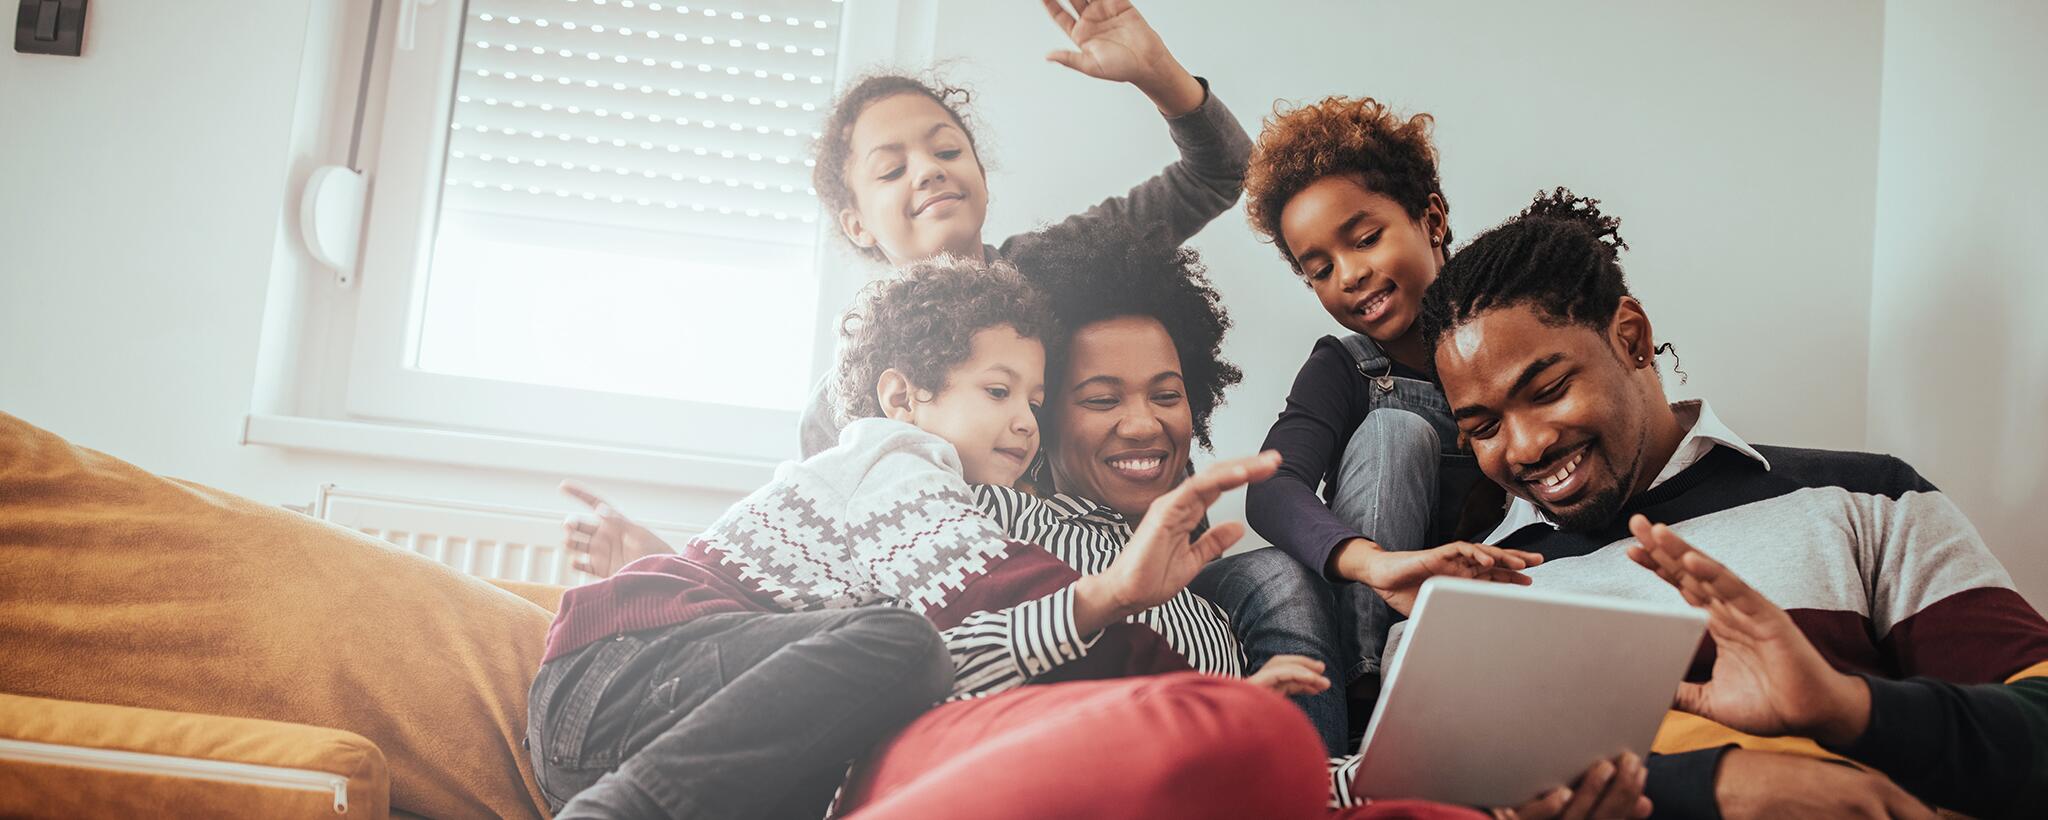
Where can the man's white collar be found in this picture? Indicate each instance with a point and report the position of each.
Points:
(1704, 431)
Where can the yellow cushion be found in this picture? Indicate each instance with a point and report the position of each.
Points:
(122, 587)
(1683, 732)
(54, 763)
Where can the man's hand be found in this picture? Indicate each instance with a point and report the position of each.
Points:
(1611, 789)
(1398, 576)
(1291, 675)
(1113, 42)
(604, 539)
(1753, 784)
(1768, 679)
(1162, 557)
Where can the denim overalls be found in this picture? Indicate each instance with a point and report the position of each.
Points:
(1403, 481)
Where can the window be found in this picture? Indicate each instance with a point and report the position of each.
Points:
(592, 220)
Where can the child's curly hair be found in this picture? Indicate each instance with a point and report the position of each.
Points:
(829, 154)
(922, 323)
(1358, 137)
(1097, 271)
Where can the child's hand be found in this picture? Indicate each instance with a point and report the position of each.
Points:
(603, 540)
(1398, 576)
(1115, 43)
(1291, 675)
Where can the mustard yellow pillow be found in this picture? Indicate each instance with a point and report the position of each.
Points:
(64, 759)
(121, 587)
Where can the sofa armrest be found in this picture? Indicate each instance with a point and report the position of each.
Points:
(69, 759)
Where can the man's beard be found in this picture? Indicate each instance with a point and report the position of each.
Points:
(1594, 513)
(1602, 508)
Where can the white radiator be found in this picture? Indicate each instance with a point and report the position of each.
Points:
(485, 540)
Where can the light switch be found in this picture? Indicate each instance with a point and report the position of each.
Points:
(46, 20)
(50, 27)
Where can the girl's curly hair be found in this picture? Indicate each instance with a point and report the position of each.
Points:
(834, 146)
(922, 323)
(1094, 272)
(1358, 137)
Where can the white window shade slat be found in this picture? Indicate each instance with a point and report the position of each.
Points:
(678, 118)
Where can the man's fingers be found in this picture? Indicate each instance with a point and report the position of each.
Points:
(1621, 792)
(1713, 580)
(1653, 561)
(1546, 805)
(1903, 806)
(1587, 793)
(1691, 698)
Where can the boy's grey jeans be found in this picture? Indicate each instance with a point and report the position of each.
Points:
(746, 714)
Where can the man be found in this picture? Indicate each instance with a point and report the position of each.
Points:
(1905, 647)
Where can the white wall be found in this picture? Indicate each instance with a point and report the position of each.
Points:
(143, 192)
(1736, 141)
(1958, 348)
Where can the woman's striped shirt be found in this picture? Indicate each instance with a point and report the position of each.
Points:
(1088, 536)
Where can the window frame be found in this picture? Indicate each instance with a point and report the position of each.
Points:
(404, 130)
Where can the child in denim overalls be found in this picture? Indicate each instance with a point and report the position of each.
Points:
(1348, 191)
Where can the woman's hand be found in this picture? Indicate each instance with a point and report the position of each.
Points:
(1398, 576)
(604, 539)
(1290, 675)
(1113, 42)
(1162, 556)
(1610, 790)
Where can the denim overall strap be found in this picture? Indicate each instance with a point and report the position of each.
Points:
(1371, 363)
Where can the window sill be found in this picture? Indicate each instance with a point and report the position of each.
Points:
(531, 455)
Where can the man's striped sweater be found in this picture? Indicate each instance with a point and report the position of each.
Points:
(1886, 577)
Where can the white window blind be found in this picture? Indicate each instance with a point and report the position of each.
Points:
(659, 116)
(625, 200)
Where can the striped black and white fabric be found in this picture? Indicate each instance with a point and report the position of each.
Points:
(1088, 536)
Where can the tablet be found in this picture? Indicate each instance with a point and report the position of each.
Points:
(1501, 692)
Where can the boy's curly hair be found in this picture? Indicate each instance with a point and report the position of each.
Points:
(1093, 272)
(922, 323)
(1359, 137)
(832, 150)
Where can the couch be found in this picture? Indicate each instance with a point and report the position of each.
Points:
(168, 649)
